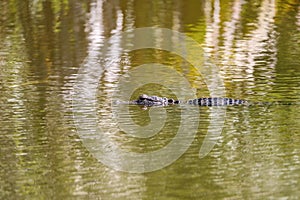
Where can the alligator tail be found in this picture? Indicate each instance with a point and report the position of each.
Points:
(217, 101)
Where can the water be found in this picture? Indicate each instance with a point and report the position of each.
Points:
(50, 111)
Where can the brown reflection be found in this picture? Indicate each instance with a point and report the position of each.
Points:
(54, 34)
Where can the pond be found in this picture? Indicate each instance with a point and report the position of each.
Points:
(65, 66)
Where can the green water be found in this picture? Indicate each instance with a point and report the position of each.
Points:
(58, 143)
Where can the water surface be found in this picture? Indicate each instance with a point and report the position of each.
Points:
(255, 46)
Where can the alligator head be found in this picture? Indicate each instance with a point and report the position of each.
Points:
(146, 100)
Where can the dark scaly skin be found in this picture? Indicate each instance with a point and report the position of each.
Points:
(217, 101)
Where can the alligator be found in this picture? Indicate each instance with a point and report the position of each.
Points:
(149, 101)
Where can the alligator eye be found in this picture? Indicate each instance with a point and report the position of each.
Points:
(171, 101)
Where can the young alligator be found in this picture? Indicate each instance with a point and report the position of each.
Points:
(148, 101)
(145, 100)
